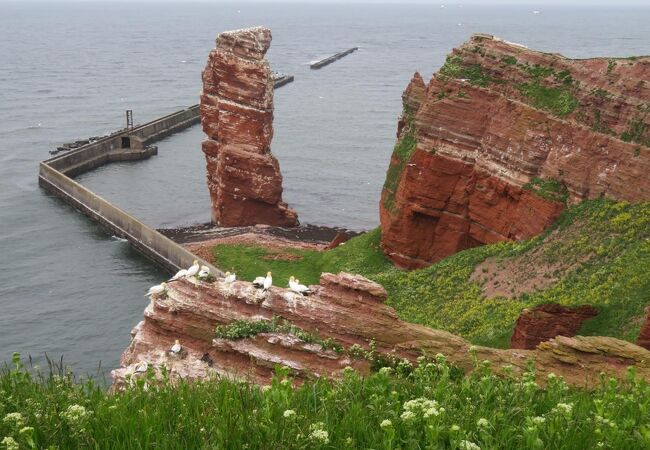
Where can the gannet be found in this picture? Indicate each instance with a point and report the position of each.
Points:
(193, 269)
(176, 348)
(204, 272)
(300, 288)
(229, 277)
(180, 274)
(157, 289)
(258, 282)
(268, 281)
(141, 367)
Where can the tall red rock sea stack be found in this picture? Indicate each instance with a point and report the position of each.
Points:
(237, 115)
(503, 138)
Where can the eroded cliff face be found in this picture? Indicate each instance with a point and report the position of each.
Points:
(237, 116)
(343, 309)
(502, 138)
(544, 322)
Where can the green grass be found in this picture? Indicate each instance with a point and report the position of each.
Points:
(636, 132)
(549, 189)
(430, 406)
(402, 152)
(359, 255)
(240, 329)
(454, 68)
(606, 244)
(558, 101)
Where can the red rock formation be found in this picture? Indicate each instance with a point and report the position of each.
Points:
(543, 323)
(237, 115)
(471, 142)
(644, 335)
(346, 308)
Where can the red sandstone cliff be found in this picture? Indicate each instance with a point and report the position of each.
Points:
(544, 322)
(349, 310)
(237, 115)
(502, 137)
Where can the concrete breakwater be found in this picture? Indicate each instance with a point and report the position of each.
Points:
(55, 176)
(330, 59)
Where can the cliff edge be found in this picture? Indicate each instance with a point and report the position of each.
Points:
(502, 138)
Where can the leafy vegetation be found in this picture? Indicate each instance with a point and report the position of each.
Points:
(549, 189)
(402, 152)
(240, 329)
(558, 101)
(509, 60)
(429, 406)
(637, 132)
(454, 68)
(603, 246)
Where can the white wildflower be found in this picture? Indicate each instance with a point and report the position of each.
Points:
(285, 382)
(289, 413)
(454, 428)
(9, 443)
(407, 415)
(386, 370)
(431, 412)
(75, 414)
(14, 419)
(26, 430)
(565, 408)
(386, 423)
(482, 422)
(320, 436)
(468, 445)
(538, 420)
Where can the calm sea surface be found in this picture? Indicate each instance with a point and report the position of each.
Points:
(69, 70)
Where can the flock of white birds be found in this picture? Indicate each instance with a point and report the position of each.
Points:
(203, 273)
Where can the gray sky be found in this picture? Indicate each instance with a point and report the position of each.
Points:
(537, 3)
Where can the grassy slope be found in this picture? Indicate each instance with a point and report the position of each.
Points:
(606, 243)
(429, 407)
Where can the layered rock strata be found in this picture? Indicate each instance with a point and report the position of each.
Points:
(344, 308)
(237, 116)
(543, 323)
(644, 334)
(502, 138)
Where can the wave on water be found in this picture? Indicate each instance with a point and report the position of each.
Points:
(118, 239)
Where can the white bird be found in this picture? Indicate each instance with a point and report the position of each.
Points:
(229, 277)
(141, 367)
(204, 272)
(176, 348)
(156, 290)
(300, 288)
(268, 281)
(193, 269)
(258, 282)
(180, 274)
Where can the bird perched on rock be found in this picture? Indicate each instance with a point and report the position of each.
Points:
(229, 277)
(193, 269)
(268, 281)
(176, 348)
(156, 290)
(141, 367)
(295, 286)
(180, 274)
(263, 282)
(258, 282)
(204, 272)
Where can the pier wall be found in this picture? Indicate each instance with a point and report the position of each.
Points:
(55, 177)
